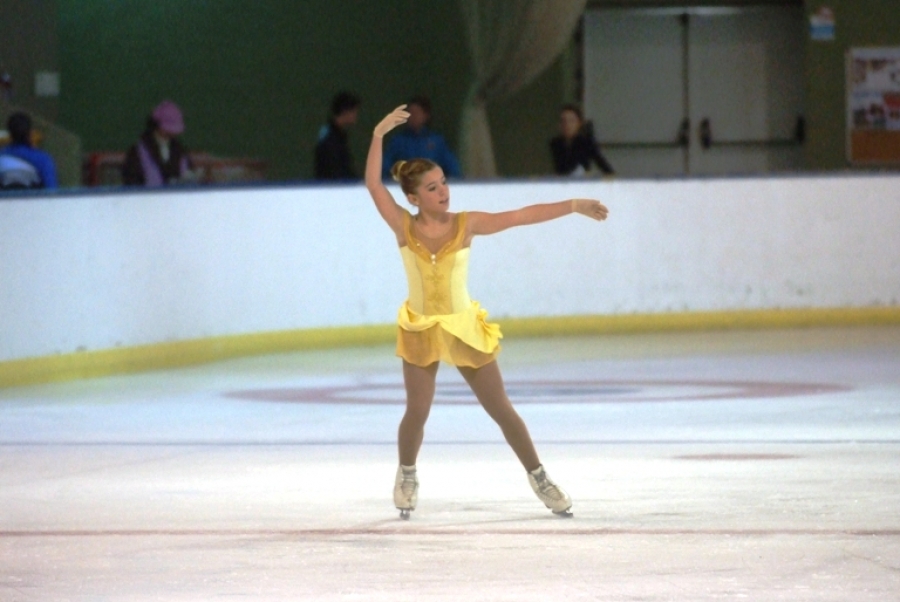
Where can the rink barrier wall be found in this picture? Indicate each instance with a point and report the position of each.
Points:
(100, 281)
(178, 354)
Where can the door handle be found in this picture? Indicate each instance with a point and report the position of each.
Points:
(704, 132)
(684, 133)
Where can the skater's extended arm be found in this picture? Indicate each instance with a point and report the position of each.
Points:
(490, 223)
(384, 201)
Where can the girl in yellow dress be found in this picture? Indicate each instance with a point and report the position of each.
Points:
(439, 322)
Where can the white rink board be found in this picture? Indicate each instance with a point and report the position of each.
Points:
(120, 269)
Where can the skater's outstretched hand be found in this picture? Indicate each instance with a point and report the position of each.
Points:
(591, 208)
(393, 119)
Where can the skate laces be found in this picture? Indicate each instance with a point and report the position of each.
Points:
(546, 486)
(408, 482)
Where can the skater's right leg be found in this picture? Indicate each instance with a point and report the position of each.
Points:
(419, 384)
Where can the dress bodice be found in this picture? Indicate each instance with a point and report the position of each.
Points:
(437, 281)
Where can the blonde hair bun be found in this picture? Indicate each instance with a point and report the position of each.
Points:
(409, 173)
(396, 170)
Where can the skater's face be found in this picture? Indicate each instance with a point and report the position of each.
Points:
(432, 194)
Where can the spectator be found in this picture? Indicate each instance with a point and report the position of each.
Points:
(575, 148)
(22, 165)
(333, 158)
(159, 158)
(418, 141)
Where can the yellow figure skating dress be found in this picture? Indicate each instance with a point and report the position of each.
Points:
(439, 321)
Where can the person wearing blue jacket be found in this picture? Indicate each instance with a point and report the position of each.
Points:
(418, 141)
(22, 165)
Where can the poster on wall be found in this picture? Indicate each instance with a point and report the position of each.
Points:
(873, 106)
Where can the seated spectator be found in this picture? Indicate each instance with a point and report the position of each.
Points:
(333, 158)
(575, 149)
(22, 165)
(418, 141)
(159, 158)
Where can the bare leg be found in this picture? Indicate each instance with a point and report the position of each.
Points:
(419, 395)
(487, 384)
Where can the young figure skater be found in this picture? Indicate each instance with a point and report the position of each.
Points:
(439, 321)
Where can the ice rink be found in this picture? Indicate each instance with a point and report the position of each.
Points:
(759, 465)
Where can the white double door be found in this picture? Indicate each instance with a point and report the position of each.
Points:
(696, 91)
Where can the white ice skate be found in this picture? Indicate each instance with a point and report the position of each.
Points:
(406, 490)
(553, 496)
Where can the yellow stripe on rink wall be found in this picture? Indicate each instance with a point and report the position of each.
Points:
(91, 364)
(159, 356)
(724, 320)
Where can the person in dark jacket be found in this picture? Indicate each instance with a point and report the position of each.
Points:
(575, 149)
(333, 158)
(159, 158)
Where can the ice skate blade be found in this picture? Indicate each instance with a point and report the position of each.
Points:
(564, 513)
(404, 513)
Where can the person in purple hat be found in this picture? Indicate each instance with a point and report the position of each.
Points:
(159, 158)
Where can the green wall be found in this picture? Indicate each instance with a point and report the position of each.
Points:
(522, 125)
(255, 78)
(27, 46)
(857, 23)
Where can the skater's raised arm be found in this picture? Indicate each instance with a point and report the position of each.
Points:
(384, 201)
(491, 223)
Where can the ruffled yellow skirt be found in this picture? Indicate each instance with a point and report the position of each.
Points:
(461, 339)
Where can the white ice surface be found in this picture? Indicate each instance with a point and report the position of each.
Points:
(697, 471)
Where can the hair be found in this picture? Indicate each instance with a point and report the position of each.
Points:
(344, 101)
(409, 173)
(574, 108)
(19, 126)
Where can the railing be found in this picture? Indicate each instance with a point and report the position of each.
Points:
(707, 140)
(105, 169)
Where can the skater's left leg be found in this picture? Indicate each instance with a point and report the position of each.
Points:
(487, 384)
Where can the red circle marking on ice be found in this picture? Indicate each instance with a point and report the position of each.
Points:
(525, 392)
